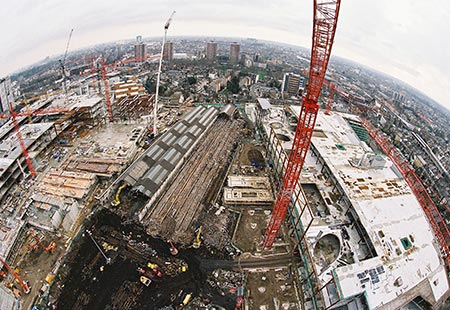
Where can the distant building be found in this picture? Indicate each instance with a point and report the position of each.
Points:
(292, 84)
(234, 52)
(211, 51)
(168, 51)
(6, 94)
(398, 98)
(139, 49)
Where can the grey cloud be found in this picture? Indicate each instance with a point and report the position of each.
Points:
(403, 33)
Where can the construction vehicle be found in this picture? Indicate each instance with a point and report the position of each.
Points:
(144, 280)
(186, 300)
(155, 269)
(50, 248)
(116, 201)
(198, 241)
(15, 273)
(173, 249)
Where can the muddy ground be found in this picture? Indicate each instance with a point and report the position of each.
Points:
(91, 283)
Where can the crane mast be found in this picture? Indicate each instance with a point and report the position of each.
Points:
(21, 142)
(25, 288)
(325, 20)
(62, 63)
(155, 107)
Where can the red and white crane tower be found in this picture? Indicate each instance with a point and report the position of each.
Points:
(326, 14)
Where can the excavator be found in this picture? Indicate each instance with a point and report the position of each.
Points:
(116, 201)
(25, 288)
(173, 249)
(50, 248)
(198, 241)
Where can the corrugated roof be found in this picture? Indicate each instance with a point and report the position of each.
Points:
(228, 109)
(149, 173)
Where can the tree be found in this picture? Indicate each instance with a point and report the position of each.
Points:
(233, 85)
(150, 86)
(191, 80)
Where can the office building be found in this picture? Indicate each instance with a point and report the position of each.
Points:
(365, 238)
(234, 52)
(168, 51)
(139, 49)
(292, 85)
(211, 51)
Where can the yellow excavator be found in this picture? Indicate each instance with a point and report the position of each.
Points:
(197, 242)
(116, 201)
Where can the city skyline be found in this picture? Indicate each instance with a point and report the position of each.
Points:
(401, 39)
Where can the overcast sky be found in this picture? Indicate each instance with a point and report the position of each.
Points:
(407, 39)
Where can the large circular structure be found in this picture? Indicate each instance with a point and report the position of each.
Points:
(327, 250)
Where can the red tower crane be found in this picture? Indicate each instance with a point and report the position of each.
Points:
(25, 288)
(21, 142)
(106, 84)
(330, 98)
(103, 75)
(325, 21)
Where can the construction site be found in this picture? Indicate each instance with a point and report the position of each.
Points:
(124, 203)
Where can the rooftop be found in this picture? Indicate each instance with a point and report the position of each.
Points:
(378, 208)
(151, 171)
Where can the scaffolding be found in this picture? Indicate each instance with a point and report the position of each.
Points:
(300, 219)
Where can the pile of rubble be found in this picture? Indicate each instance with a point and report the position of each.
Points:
(217, 229)
(225, 281)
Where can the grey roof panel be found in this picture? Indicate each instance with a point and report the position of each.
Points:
(180, 127)
(169, 138)
(195, 131)
(155, 152)
(156, 174)
(150, 173)
(193, 114)
(185, 142)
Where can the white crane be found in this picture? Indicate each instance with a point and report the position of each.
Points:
(155, 108)
(62, 63)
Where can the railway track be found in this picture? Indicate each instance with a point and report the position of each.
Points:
(173, 214)
(270, 262)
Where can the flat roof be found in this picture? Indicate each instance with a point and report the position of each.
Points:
(407, 254)
(86, 102)
(10, 149)
(7, 300)
(264, 103)
(394, 220)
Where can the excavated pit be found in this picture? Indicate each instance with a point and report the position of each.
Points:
(86, 281)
